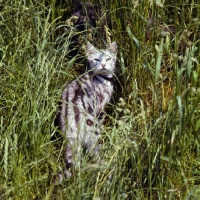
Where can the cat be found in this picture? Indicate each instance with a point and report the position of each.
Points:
(80, 114)
(84, 19)
(77, 28)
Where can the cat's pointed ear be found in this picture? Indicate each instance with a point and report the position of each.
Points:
(113, 47)
(78, 8)
(90, 49)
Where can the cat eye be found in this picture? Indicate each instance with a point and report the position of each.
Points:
(108, 59)
(91, 16)
(97, 60)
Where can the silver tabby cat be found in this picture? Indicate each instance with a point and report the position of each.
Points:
(83, 101)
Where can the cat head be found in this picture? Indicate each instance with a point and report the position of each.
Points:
(102, 61)
(86, 13)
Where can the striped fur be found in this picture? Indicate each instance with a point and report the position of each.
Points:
(83, 101)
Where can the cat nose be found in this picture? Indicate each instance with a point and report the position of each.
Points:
(103, 65)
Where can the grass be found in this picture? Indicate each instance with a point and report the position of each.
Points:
(151, 134)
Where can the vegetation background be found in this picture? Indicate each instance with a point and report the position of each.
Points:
(151, 137)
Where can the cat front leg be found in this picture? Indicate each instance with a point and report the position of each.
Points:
(73, 156)
(92, 143)
(72, 160)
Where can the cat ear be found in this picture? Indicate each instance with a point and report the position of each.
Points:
(78, 7)
(90, 49)
(113, 47)
(77, 3)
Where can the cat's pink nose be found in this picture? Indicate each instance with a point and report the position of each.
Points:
(103, 65)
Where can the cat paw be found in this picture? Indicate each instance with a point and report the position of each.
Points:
(58, 178)
(67, 173)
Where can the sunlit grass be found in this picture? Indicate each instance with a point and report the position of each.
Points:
(151, 134)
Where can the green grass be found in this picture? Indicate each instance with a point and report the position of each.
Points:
(150, 138)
